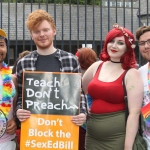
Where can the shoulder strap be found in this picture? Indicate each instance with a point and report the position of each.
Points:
(125, 98)
(98, 68)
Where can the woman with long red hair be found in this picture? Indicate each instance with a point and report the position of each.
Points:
(107, 128)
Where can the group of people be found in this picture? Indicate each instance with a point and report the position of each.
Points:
(106, 127)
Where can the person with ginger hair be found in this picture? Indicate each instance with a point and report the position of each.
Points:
(107, 128)
(86, 57)
(46, 58)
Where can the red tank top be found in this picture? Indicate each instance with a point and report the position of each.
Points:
(107, 96)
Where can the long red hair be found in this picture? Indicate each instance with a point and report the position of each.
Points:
(128, 59)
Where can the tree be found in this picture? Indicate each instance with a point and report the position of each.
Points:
(80, 2)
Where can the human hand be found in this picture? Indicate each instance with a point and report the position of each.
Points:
(11, 126)
(23, 114)
(79, 119)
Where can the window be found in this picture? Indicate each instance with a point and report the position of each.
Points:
(119, 4)
(146, 24)
(128, 4)
(113, 4)
(105, 4)
(122, 4)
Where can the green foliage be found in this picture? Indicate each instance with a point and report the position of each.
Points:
(80, 2)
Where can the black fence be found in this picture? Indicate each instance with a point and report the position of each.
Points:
(78, 24)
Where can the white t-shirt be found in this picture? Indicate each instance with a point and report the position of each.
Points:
(144, 74)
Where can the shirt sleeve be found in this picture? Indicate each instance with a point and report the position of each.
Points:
(19, 72)
(77, 66)
(83, 104)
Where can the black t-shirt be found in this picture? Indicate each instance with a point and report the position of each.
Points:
(48, 63)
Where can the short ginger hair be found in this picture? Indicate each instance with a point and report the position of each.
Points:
(86, 57)
(36, 17)
(140, 31)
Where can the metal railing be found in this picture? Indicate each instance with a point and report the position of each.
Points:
(76, 24)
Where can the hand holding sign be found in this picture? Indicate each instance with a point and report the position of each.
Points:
(23, 114)
(79, 119)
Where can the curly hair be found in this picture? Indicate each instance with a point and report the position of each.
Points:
(128, 59)
(36, 17)
(86, 57)
(140, 31)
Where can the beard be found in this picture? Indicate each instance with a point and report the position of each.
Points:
(43, 46)
(146, 57)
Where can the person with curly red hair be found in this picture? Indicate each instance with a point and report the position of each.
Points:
(46, 58)
(107, 128)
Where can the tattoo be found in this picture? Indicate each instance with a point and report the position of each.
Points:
(132, 86)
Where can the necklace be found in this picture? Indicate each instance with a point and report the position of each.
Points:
(115, 61)
(7, 91)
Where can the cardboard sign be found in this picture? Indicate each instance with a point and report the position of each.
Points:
(52, 99)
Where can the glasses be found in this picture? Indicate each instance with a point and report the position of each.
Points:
(143, 43)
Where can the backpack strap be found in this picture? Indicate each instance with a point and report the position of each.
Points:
(125, 98)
